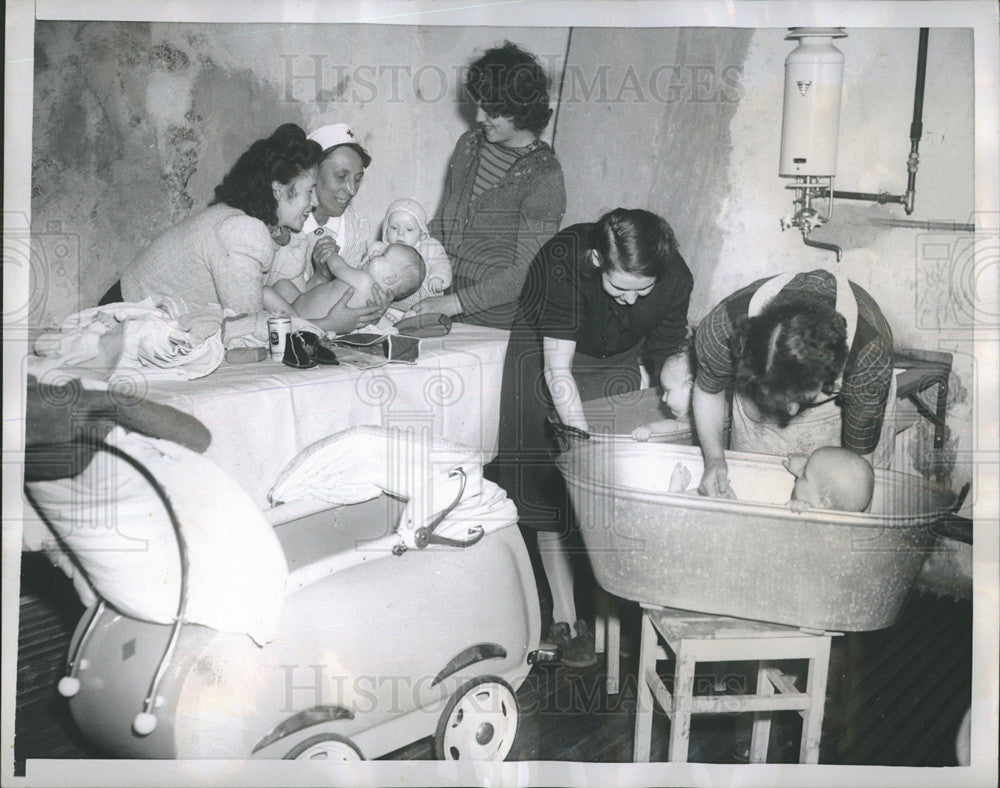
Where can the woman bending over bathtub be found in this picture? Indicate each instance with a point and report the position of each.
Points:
(829, 478)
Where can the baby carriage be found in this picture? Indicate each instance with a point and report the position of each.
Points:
(390, 628)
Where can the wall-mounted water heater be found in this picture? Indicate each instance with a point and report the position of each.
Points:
(810, 125)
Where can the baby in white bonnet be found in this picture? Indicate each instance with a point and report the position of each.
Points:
(406, 223)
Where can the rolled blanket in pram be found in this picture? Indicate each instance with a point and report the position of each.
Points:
(111, 533)
(363, 462)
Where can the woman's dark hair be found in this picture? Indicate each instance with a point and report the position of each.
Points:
(508, 82)
(282, 157)
(635, 241)
(797, 344)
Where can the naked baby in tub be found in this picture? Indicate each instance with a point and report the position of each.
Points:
(398, 270)
(829, 478)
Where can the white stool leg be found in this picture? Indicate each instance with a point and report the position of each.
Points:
(761, 734)
(644, 696)
(600, 618)
(614, 645)
(680, 719)
(812, 720)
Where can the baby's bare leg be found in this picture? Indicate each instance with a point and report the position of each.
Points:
(287, 290)
(317, 302)
(280, 299)
(318, 277)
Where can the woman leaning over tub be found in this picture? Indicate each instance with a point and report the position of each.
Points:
(220, 254)
(807, 360)
(598, 297)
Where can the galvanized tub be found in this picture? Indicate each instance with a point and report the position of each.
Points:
(751, 558)
(612, 419)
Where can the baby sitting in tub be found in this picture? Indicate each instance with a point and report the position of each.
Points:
(829, 478)
(676, 382)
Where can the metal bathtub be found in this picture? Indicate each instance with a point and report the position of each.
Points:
(751, 558)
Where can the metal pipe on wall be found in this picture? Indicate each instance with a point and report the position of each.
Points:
(805, 217)
(917, 126)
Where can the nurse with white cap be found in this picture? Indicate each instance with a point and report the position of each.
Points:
(340, 173)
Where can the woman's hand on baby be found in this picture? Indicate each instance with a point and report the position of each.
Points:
(798, 506)
(715, 480)
(342, 319)
(379, 296)
(440, 304)
(326, 255)
(324, 249)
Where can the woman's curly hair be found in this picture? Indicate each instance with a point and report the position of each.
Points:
(508, 82)
(282, 157)
(796, 345)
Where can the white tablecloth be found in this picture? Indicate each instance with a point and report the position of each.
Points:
(262, 415)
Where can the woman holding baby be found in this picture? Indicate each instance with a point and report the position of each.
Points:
(222, 254)
(599, 299)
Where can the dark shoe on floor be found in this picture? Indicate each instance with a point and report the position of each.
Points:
(560, 634)
(580, 653)
(741, 750)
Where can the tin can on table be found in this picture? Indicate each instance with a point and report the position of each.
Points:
(278, 329)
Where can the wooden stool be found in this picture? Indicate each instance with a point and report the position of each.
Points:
(921, 369)
(607, 632)
(699, 637)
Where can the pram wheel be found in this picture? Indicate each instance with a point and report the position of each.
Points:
(479, 723)
(325, 746)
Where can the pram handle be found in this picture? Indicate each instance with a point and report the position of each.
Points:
(425, 535)
(145, 721)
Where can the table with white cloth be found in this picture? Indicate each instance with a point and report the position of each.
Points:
(261, 415)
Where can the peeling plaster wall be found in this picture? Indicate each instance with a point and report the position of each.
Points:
(644, 122)
(136, 123)
(876, 110)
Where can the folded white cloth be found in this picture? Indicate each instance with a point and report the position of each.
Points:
(126, 338)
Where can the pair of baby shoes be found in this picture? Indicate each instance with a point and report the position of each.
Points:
(305, 350)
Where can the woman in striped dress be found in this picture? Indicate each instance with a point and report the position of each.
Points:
(504, 194)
